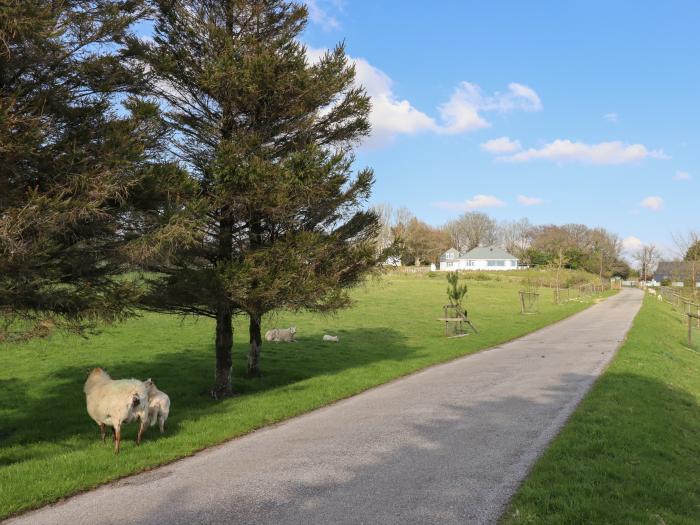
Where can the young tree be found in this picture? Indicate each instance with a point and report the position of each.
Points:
(68, 161)
(276, 219)
(455, 291)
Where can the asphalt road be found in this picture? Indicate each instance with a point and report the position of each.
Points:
(447, 445)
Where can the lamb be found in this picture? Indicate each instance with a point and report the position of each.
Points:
(331, 338)
(158, 405)
(659, 297)
(115, 402)
(285, 335)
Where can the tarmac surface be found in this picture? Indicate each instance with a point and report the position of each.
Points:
(450, 444)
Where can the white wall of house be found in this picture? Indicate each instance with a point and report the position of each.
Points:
(479, 264)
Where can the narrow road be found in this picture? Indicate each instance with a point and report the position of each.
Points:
(450, 444)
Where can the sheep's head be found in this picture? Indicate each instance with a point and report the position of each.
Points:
(293, 330)
(96, 372)
(149, 384)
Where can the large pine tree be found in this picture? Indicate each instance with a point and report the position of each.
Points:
(276, 220)
(68, 159)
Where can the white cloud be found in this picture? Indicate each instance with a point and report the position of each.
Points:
(476, 202)
(652, 203)
(560, 150)
(461, 112)
(682, 175)
(501, 145)
(319, 15)
(631, 244)
(611, 117)
(392, 115)
(530, 201)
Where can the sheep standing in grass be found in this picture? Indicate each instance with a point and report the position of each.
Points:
(285, 335)
(115, 402)
(158, 405)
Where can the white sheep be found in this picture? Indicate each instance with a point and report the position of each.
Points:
(331, 338)
(285, 335)
(659, 297)
(652, 291)
(115, 402)
(158, 405)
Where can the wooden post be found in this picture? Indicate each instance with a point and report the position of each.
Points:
(690, 331)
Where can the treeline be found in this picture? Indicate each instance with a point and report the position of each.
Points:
(213, 157)
(573, 246)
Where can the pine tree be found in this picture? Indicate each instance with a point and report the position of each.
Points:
(275, 220)
(68, 160)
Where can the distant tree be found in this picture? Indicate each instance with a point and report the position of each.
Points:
(385, 213)
(421, 242)
(605, 250)
(275, 220)
(647, 256)
(515, 236)
(689, 247)
(472, 229)
(69, 162)
(693, 251)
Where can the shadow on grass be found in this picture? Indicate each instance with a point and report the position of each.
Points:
(57, 416)
(633, 461)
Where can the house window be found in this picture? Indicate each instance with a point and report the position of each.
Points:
(496, 263)
(449, 264)
(470, 263)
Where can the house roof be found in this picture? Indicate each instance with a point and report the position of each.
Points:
(487, 252)
(680, 270)
(481, 252)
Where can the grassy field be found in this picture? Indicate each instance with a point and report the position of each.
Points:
(49, 448)
(631, 451)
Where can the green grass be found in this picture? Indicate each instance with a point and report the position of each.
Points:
(631, 451)
(49, 448)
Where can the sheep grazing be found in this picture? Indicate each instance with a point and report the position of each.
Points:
(331, 338)
(115, 402)
(158, 405)
(285, 335)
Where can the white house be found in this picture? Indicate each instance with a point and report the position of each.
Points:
(481, 258)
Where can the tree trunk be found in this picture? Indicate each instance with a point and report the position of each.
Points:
(224, 343)
(255, 346)
(224, 313)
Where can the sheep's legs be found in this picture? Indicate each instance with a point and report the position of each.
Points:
(142, 429)
(117, 438)
(161, 421)
(103, 433)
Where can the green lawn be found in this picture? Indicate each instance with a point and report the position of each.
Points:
(49, 447)
(631, 451)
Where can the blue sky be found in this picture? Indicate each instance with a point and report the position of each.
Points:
(556, 111)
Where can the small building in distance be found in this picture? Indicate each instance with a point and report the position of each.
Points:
(480, 258)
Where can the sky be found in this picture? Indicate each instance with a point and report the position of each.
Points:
(561, 112)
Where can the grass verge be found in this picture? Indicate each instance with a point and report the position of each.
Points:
(49, 448)
(631, 451)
